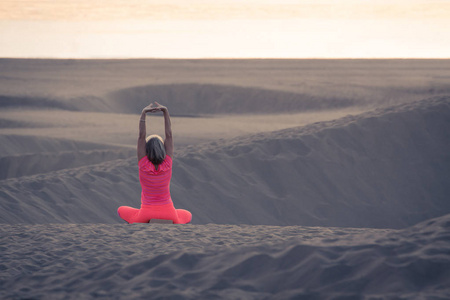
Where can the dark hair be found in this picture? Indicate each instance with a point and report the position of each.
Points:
(156, 152)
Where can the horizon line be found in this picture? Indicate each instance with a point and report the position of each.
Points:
(219, 58)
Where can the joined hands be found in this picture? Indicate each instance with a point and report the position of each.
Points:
(152, 109)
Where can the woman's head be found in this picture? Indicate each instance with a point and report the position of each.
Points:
(156, 152)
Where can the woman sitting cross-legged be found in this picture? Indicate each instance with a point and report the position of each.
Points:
(155, 172)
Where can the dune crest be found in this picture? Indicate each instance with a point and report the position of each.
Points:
(206, 99)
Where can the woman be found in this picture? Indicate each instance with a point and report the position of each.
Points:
(155, 171)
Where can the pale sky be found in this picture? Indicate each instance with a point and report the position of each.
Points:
(225, 29)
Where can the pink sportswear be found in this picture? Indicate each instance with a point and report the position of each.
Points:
(155, 183)
(156, 202)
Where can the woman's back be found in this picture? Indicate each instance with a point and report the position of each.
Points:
(155, 182)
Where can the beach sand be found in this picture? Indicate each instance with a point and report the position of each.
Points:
(307, 179)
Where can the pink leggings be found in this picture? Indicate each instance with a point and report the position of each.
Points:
(147, 212)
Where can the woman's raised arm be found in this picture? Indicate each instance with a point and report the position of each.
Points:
(168, 140)
(141, 152)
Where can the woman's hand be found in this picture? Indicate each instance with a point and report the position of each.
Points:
(151, 109)
(160, 107)
(148, 108)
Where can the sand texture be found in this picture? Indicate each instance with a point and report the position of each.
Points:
(307, 179)
(224, 262)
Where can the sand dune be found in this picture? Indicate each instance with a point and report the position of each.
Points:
(204, 99)
(388, 168)
(30, 164)
(26, 144)
(187, 100)
(34, 102)
(193, 87)
(28, 155)
(118, 129)
(225, 261)
(374, 81)
(385, 169)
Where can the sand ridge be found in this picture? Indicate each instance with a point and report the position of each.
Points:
(24, 155)
(208, 99)
(339, 162)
